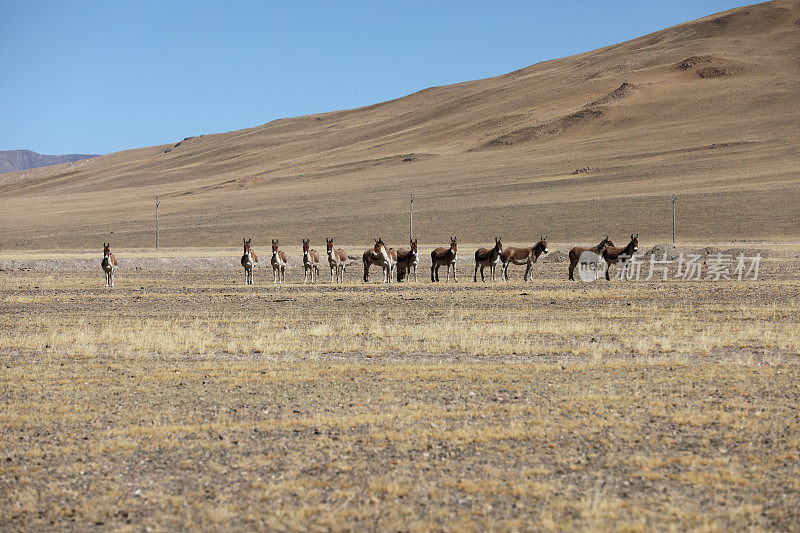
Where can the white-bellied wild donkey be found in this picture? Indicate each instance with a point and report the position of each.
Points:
(406, 261)
(523, 256)
(249, 260)
(444, 257)
(336, 259)
(575, 255)
(614, 255)
(278, 263)
(378, 255)
(488, 257)
(109, 264)
(310, 262)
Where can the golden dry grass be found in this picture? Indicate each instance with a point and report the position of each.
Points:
(197, 402)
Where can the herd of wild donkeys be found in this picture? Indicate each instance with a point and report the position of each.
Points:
(404, 262)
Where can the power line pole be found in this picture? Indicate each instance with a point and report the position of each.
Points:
(411, 219)
(673, 219)
(158, 202)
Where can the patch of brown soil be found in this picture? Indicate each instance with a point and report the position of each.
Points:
(708, 66)
(548, 129)
(691, 62)
(715, 72)
(587, 170)
(623, 91)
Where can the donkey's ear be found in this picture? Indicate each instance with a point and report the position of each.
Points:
(632, 237)
(637, 235)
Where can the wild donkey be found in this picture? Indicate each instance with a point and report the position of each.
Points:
(488, 257)
(249, 260)
(310, 262)
(109, 264)
(336, 260)
(447, 257)
(406, 260)
(278, 263)
(523, 256)
(575, 254)
(612, 255)
(379, 255)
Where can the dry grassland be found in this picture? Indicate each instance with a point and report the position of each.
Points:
(175, 402)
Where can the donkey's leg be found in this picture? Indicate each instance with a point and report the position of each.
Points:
(572, 270)
(528, 271)
(475, 277)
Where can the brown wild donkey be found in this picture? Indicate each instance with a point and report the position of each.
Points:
(444, 257)
(575, 254)
(336, 259)
(278, 263)
(614, 255)
(109, 264)
(379, 255)
(523, 256)
(310, 263)
(249, 260)
(406, 261)
(488, 257)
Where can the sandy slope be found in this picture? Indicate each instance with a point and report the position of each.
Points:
(576, 147)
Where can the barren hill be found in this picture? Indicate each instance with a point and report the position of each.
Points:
(577, 148)
(12, 160)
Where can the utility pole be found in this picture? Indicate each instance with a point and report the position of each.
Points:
(157, 204)
(673, 219)
(411, 219)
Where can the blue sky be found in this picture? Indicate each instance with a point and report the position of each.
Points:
(99, 77)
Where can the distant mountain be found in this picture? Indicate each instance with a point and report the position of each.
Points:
(12, 160)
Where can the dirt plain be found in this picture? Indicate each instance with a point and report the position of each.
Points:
(185, 399)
